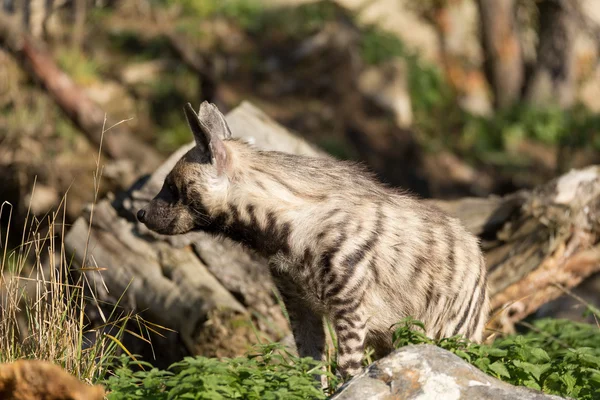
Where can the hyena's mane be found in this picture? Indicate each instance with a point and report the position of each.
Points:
(305, 177)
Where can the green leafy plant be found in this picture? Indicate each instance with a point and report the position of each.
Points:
(549, 125)
(556, 356)
(245, 12)
(269, 372)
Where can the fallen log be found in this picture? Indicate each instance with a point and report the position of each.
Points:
(204, 288)
(118, 143)
(536, 242)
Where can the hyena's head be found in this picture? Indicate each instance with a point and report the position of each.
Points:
(198, 183)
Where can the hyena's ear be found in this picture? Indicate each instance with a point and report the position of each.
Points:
(207, 128)
(201, 138)
(213, 120)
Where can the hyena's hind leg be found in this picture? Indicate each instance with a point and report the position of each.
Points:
(307, 326)
(350, 328)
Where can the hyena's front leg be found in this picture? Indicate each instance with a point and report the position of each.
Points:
(350, 328)
(307, 326)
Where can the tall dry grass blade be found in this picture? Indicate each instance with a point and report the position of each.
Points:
(42, 313)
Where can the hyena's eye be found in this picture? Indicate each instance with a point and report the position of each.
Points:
(172, 189)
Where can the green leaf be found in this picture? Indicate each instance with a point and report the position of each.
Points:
(500, 369)
(482, 363)
(540, 354)
(495, 352)
(530, 383)
(595, 376)
(569, 380)
(462, 354)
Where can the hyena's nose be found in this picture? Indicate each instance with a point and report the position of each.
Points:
(141, 214)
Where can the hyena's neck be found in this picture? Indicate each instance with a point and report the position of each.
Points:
(256, 228)
(261, 204)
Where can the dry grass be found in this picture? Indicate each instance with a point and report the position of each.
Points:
(43, 302)
(42, 310)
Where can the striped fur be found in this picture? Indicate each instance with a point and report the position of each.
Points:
(340, 244)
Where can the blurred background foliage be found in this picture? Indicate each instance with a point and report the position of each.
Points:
(412, 101)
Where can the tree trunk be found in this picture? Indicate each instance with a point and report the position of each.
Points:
(79, 17)
(36, 13)
(503, 62)
(553, 78)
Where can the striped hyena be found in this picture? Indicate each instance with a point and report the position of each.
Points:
(340, 244)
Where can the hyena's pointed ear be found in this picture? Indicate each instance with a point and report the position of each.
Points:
(208, 127)
(213, 120)
(200, 136)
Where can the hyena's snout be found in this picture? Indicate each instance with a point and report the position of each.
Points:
(166, 218)
(153, 218)
(150, 216)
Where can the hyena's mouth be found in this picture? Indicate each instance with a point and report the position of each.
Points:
(168, 230)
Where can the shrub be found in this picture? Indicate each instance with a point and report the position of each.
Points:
(269, 373)
(556, 356)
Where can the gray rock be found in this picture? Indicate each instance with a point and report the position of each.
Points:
(427, 372)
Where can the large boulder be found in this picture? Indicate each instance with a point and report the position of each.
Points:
(428, 372)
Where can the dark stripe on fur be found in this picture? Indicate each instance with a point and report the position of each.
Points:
(469, 305)
(350, 262)
(327, 261)
(340, 312)
(476, 318)
(451, 259)
(349, 335)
